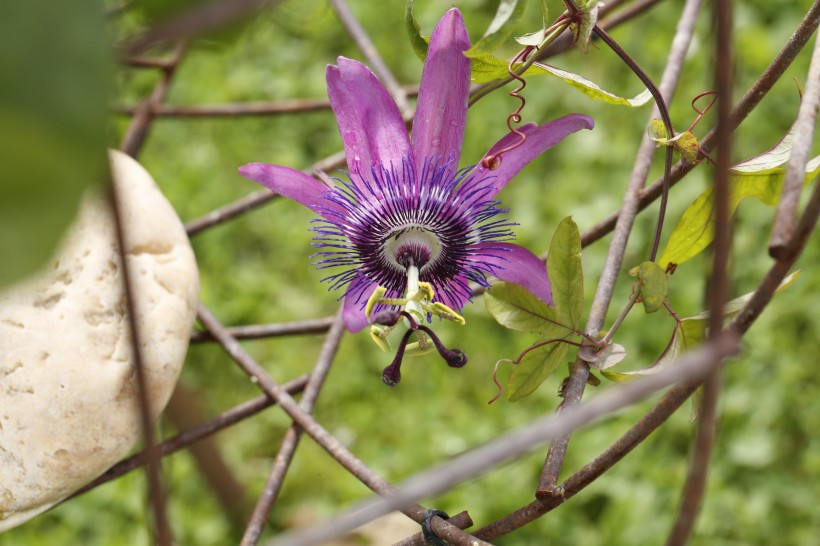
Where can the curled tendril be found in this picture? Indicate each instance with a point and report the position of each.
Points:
(493, 161)
(700, 112)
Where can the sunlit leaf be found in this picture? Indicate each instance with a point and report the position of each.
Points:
(565, 273)
(653, 285)
(54, 70)
(761, 177)
(536, 366)
(514, 307)
(501, 27)
(418, 41)
(487, 68)
(684, 143)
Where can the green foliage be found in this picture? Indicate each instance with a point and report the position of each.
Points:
(761, 177)
(487, 68)
(508, 15)
(418, 41)
(689, 333)
(516, 308)
(52, 123)
(685, 143)
(653, 285)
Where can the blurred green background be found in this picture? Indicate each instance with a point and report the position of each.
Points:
(765, 479)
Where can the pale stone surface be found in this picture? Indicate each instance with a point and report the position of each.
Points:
(67, 385)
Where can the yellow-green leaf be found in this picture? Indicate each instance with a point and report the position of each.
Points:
(418, 41)
(653, 285)
(488, 68)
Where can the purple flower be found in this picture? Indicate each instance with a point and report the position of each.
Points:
(407, 213)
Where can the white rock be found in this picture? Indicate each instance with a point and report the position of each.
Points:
(67, 386)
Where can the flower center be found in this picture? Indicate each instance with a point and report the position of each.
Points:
(412, 246)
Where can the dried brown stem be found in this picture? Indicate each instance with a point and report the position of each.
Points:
(189, 437)
(260, 331)
(692, 367)
(747, 103)
(612, 266)
(291, 441)
(327, 441)
(796, 168)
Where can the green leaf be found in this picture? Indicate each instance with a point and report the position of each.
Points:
(536, 366)
(418, 41)
(514, 307)
(685, 143)
(53, 120)
(565, 273)
(488, 68)
(690, 332)
(501, 27)
(695, 230)
(653, 285)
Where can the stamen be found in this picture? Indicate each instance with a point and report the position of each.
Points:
(392, 374)
(455, 358)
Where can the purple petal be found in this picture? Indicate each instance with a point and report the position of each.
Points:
(369, 121)
(294, 185)
(539, 139)
(441, 112)
(455, 294)
(358, 293)
(516, 264)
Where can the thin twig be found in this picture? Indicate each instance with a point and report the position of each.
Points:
(326, 441)
(576, 385)
(260, 331)
(291, 441)
(691, 367)
(156, 494)
(747, 103)
(796, 169)
(188, 437)
(695, 487)
(137, 130)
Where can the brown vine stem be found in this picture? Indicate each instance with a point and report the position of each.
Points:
(138, 128)
(131, 144)
(291, 440)
(612, 266)
(747, 103)
(695, 487)
(326, 441)
(796, 169)
(193, 435)
(162, 529)
(374, 60)
(260, 331)
(691, 367)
